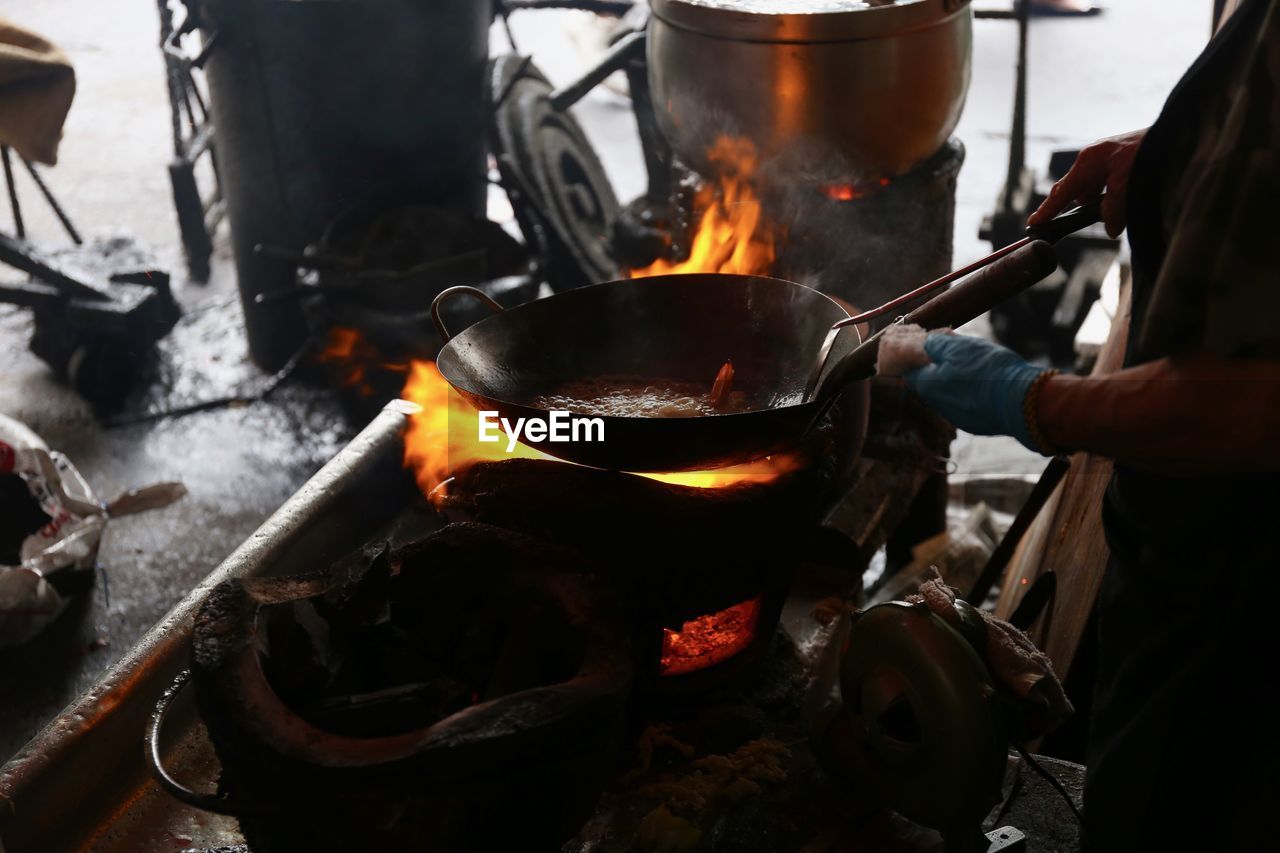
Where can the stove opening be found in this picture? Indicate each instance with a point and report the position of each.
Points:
(853, 192)
(708, 640)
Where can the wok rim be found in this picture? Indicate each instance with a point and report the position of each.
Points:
(666, 277)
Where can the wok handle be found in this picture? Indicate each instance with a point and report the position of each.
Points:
(1052, 231)
(987, 288)
(451, 292)
(966, 300)
(1067, 223)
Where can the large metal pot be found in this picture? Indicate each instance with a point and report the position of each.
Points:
(862, 93)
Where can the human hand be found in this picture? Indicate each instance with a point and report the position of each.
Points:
(979, 386)
(1104, 165)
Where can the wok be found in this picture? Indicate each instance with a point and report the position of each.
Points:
(684, 327)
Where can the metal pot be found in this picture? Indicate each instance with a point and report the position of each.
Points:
(826, 96)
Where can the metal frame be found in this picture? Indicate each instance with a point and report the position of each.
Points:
(93, 330)
(193, 138)
(1084, 253)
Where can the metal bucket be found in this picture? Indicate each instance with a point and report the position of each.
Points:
(322, 104)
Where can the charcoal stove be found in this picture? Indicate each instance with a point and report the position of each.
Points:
(705, 570)
(745, 738)
(903, 232)
(301, 136)
(463, 686)
(676, 591)
(336, 723)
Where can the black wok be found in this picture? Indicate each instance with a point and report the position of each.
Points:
(684, 327)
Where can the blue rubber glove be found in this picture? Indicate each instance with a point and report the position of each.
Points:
(977, 385)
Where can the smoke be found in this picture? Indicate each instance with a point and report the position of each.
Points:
(877, 239)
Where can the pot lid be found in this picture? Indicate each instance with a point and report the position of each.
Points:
(805, 20)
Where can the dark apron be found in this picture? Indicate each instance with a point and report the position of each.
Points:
(1184, 746)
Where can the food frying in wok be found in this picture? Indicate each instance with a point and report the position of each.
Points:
(646, 397)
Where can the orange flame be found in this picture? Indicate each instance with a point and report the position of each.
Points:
(733, 235)
(428, 449)
(442, 440)
(349, 356)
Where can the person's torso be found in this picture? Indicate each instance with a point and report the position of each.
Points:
(1157, 519)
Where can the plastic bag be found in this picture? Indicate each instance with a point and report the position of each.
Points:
(53, 523)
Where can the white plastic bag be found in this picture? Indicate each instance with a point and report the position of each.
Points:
(68, 542)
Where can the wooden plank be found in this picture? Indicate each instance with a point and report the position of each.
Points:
(1067, 538)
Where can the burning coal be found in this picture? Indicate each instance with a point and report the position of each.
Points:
(709, 640)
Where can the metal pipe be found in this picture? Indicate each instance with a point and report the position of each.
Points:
(925, 289)
(53, 202)
(621, 53)
(1018, 140)
(19, 228)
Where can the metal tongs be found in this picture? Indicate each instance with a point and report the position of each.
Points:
(1050, 232)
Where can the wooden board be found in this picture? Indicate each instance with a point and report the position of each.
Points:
(1067, 538)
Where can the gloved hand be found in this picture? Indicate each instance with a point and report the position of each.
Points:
(977, 385)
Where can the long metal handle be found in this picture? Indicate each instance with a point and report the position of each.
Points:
(1051, 232)
(1067, 223)
(450, 293)
(988, 287)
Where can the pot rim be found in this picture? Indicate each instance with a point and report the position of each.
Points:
(865, 22)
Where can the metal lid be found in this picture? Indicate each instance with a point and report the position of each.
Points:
(804, 20)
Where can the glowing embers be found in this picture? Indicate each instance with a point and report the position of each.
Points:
(708, 640)
(351, 360)
(853, 192)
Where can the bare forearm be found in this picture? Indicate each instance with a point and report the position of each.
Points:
(1193, 415)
